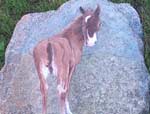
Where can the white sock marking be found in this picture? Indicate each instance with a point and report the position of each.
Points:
(68, 107)
(60, 89)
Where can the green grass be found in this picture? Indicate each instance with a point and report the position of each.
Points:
(12, 10)
(146, 23)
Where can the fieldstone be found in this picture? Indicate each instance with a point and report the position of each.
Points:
(111, 78)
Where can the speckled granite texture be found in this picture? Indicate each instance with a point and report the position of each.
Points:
(111, 78)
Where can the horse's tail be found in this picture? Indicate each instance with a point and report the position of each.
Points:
(50, 57)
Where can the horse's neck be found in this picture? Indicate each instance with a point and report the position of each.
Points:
(74, 34)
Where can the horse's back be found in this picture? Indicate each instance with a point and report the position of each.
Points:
(61, 49)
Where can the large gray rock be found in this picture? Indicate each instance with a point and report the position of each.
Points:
(111, 78)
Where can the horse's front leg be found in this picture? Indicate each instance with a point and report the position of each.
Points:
(64, 103)
(62, 96)
(67, 106)
(71, 70)
(64, 78)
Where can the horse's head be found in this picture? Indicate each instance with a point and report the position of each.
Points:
(90, 25)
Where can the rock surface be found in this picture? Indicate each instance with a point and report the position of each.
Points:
(111, 78)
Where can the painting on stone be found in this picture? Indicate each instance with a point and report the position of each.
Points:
(108, 76)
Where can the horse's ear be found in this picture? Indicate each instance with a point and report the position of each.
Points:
(97, 11)
(82, 10)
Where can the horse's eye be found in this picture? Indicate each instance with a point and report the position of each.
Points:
(99, 24)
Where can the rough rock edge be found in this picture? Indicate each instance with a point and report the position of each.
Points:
(137, 30)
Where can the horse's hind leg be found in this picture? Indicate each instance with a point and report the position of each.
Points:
(43, 73)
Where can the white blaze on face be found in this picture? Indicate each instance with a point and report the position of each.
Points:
(91, 40)
(87, 17)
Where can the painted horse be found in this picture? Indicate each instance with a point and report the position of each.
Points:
(61, 53)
